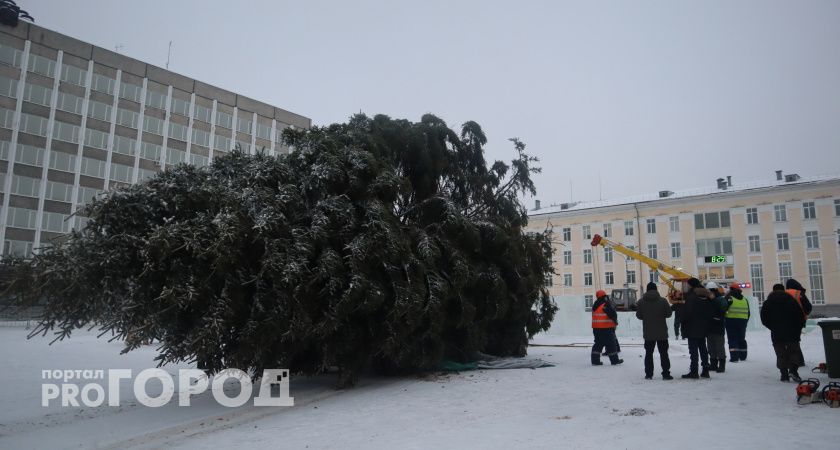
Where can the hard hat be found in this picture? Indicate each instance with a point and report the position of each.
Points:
(711, 285)
(735, 285)
(600, 293)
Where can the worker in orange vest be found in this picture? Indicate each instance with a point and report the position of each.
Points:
(795, 289)
(604, 321)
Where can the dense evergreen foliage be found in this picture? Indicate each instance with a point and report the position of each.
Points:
(378, 243)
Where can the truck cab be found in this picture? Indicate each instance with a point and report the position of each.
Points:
(624, 299)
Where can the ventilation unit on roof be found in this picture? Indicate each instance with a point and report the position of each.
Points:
(791, 178)
(567, 205)
(721, 183)
(664, 194)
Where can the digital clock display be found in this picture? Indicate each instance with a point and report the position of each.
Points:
(715, 259)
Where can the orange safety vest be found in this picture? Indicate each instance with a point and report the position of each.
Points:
(600, 319)
(796, 296)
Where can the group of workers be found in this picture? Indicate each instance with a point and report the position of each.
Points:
(707, 315)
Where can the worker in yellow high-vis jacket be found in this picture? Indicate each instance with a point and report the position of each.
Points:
(737, 316)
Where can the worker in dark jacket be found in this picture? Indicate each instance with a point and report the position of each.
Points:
(604, 321)
(715, 339)
(652, 310)
(795, 289)
(737, 318)
(697, 316)
(783, 316)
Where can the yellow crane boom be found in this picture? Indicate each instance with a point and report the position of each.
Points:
(676, 274)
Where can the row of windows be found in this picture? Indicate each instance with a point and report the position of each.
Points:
(26, 219)
(815, 280)
(609, 278)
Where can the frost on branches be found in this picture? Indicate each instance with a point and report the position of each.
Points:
(377, 244)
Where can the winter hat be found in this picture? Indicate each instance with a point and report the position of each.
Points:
(600, 293)
(694, 282)
(793, 284)
(651, 286)
(711, 285)
(778, 287)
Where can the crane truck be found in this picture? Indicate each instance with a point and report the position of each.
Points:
(625, 298)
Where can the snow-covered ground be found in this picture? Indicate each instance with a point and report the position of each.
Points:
(571, 405)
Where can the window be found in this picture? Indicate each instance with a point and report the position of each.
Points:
(41, 65)
(20, 249)
(99, 110)
(651, 226)
(8, 87)
(153, 125)
(587, 232)
(837, 207)
(809, 211)
(73, 75)
(21, 218)
(567, 234)
(607, 230)
(66, 132)
(124, 145)
(782, 242)
(156, 99)
(244, 124)
(7, 118)
(717, 246)
(588, 300)
(812, 240)
(631, 277)
(608, 278)
(199, 160)
(4, 150)
(567, 257)
(93, 167)
(752, 216)
(587, 256)
(224, 119)
(674, 224)
(59, 192)
(86, 194)
(757, 280)
(200, 137)
(222, 143)
(202, 113)
(127, 118)
(39, 95)
(55, 222)
(785, 272)
(174, 156)
(652, 251)
(10, 56)
(780, 213)
(143, 174)
(755, 244)
(96, 138)
(815, 277)
(33, 124)
(587, 279)
(652, 276)
(180, 106)
(150, 151)
(712, 220)
(676, 250)
(120, 172)
(608, 254)
(242, 146)
(567, 279)
(549, 281)
(102, 83)
(263, 131)
(177, 131)
(25, 186)
(131, 92)
(70, 103)
(30, 155)
(64, 162)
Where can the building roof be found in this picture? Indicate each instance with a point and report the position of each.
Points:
(697, 192)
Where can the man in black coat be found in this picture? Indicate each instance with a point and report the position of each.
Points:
(697, 317)
(652, 310)
(785, 319)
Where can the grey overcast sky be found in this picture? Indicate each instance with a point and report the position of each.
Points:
(645, 95)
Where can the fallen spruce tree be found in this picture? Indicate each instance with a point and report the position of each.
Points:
(376, 244)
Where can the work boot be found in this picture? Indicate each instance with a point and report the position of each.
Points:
(596, 359)
(794, 375)
(721, 365)
(693, 375)
(705, 373)
(648, 377)
(713, 364)
(667, 376)
(732, 358)
(616, 361)
(785, 377)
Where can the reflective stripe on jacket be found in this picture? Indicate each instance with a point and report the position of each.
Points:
(600, 319)
(739, 309)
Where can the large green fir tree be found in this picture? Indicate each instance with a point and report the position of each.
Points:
(377, 244)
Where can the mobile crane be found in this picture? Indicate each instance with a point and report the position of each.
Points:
(625, 298)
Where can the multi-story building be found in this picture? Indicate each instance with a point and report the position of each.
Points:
(76, 120)
(760, 233)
